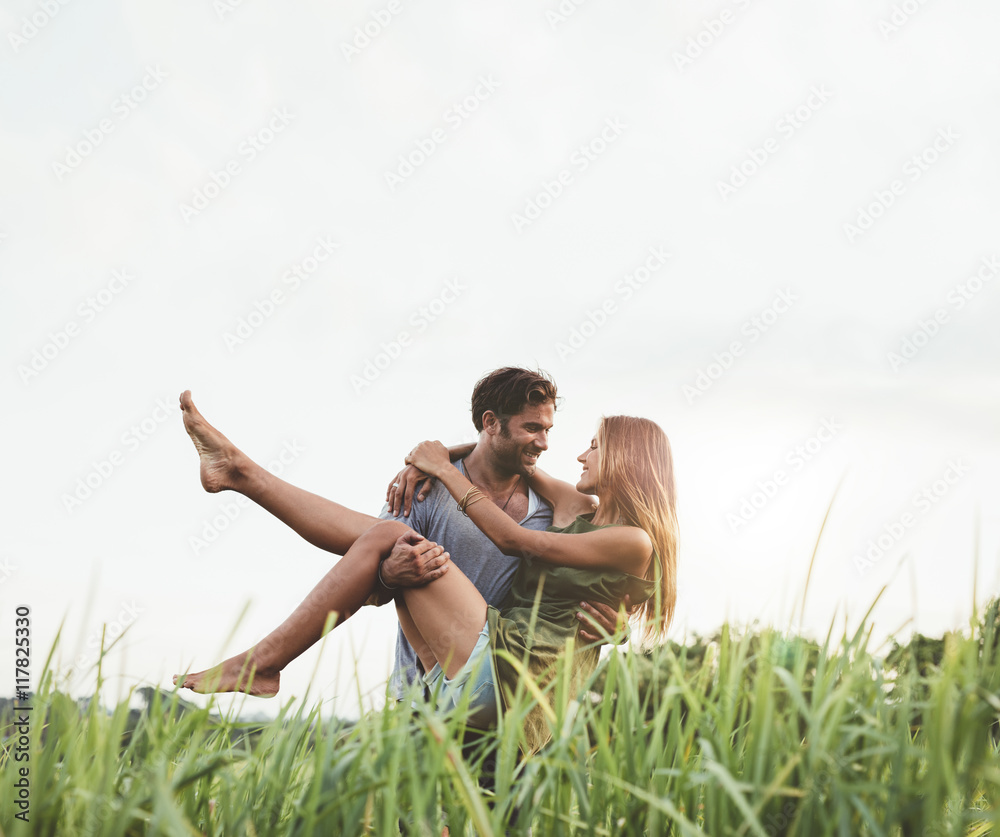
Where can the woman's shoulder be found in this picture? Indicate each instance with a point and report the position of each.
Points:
(575, 523)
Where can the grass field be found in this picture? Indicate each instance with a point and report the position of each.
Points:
(744, 733)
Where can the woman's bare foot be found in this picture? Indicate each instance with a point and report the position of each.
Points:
(237, 674)
(223, 465)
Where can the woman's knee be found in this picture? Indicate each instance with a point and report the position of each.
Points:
(385, 531)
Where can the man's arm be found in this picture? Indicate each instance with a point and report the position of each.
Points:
(409, 567)
(565, 500)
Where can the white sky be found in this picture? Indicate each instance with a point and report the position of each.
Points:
(868, 101)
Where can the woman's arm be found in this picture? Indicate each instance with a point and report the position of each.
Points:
(565, 500)
(625, 548)
(402, 487)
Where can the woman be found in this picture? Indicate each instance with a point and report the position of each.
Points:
(627, 545)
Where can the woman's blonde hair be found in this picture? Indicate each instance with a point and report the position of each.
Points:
(636, 477)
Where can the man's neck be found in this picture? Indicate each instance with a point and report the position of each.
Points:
(483, 470)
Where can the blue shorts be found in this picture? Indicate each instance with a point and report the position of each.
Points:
(472, 686)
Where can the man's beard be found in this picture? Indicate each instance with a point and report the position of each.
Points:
(510, 455)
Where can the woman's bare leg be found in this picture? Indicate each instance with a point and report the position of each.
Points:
(322, 522)
(339, 594)
(447, 614)
(414, 637)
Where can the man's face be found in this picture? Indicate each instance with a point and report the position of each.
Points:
(527, 434)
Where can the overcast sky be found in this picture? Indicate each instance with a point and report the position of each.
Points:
(769, 226)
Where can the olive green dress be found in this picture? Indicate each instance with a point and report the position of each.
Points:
(537, 640)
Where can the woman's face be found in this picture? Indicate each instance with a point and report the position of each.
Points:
(591, 461)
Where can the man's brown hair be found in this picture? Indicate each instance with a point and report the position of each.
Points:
(505, 392)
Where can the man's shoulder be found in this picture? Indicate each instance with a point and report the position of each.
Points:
(422, 511)
(437, 497)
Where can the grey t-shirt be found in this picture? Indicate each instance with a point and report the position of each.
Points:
(437, 518)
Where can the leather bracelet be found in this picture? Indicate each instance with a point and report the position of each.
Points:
(380, 579)
(469, 499)
(465, 499)
(465, 511)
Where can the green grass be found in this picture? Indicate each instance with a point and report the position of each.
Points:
(744, 733)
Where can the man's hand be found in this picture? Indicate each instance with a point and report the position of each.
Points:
(603, 622)
(400, 493)
(414, 562)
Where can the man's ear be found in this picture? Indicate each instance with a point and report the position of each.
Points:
(491, 424)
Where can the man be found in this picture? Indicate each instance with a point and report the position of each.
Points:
(513, 410)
